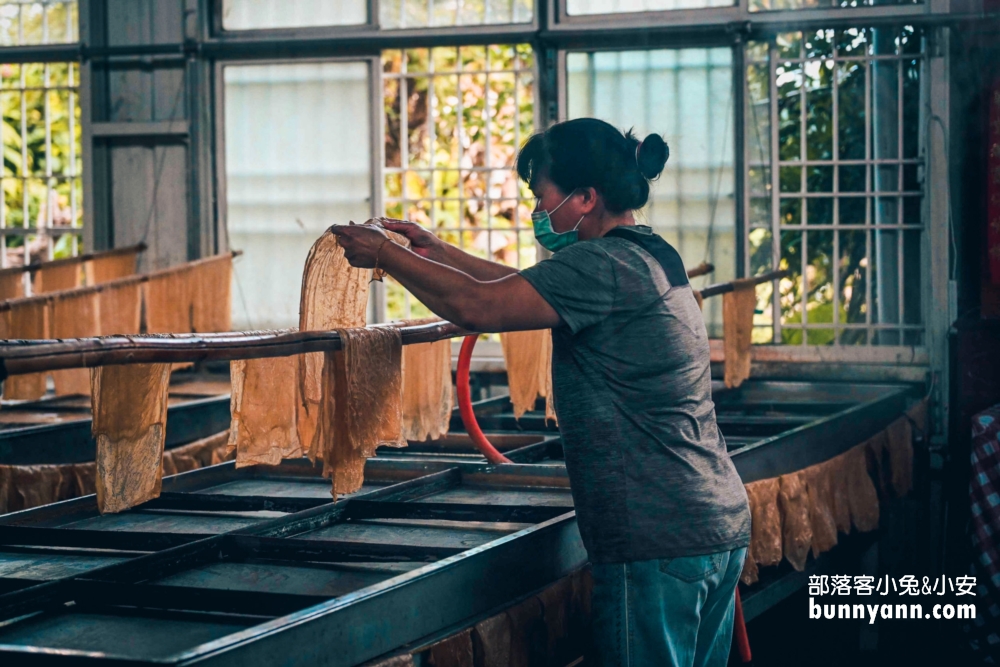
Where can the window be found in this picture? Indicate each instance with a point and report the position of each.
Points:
(765, 5)
(270, 14)
(834, 186)
(454, 120)
(295, 164)
(687, 96)
(392, 14)
(448, 13)
(582, 7)
(27, 22)
(40, 212)
(41, 208)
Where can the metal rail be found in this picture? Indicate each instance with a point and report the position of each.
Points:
(211, 561)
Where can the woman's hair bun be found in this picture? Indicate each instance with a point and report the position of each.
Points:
(652, 156)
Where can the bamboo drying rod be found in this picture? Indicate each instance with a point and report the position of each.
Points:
(722, 288)
(34, 356)
(702, 269)
(79, 259)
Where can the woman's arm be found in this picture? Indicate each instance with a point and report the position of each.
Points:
(509, 303)
(426, 244)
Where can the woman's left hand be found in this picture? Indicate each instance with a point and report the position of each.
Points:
(361, 243)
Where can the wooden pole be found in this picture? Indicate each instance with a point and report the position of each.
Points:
(33, 356)
(702, 269)
(722, 288)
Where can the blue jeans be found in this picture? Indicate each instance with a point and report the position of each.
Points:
(675, 612)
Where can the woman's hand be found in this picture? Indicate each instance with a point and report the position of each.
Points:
(422, 242)
(361, 243)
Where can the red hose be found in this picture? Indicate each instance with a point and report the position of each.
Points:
(465, 404)
(740, 630)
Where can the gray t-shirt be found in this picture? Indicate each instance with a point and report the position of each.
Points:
(630, 369)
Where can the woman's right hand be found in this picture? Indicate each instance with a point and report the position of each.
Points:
(422, 242)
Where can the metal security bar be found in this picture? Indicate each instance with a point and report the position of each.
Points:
(833, 187)
(687, 96)
(470, 107)
(40, 211)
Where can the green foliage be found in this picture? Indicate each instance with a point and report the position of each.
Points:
(807, 78)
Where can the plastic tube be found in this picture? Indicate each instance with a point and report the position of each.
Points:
(740, 637)
(465, 404)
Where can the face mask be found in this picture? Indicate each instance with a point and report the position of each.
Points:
(548, 238)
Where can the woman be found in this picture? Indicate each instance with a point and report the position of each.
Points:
(661, 509)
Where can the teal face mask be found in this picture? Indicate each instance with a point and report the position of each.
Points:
(548, 238)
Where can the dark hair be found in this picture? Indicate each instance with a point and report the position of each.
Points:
(587, 152)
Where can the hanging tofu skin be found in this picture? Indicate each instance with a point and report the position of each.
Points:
(168, 297)
(528, 358)
(75, 315)
(900, 445)
(861, 492)
(426, 390)
(264, 404)
(56, 278)
(750, 573)
(121, 308)
(362, 405)
(765, 521)
(26, 319)
(110, 267)
(334, 296)
(837, 473)
(878, 445)
(737, 326)
(212, 294)
(793, 497)
(11, 284)
(130, 421)
(821, 516)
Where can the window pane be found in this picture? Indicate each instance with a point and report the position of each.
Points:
(40, 136)
(295, 164)
(395, 14)
(265, 14)
(849, 195)
(24, 23)
(765, 5)
(685, 95)
(467, 111)
(581, 7)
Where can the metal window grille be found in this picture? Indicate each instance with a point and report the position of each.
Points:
(40, 211)
(31, 22)
(687, 96)
(834, 188)
(455, 118)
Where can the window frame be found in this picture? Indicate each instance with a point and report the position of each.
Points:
(69, 53)
(553, 33)
(379, 307)
(376, 146)
(870, 195)
(371, 33)
(737, 17)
